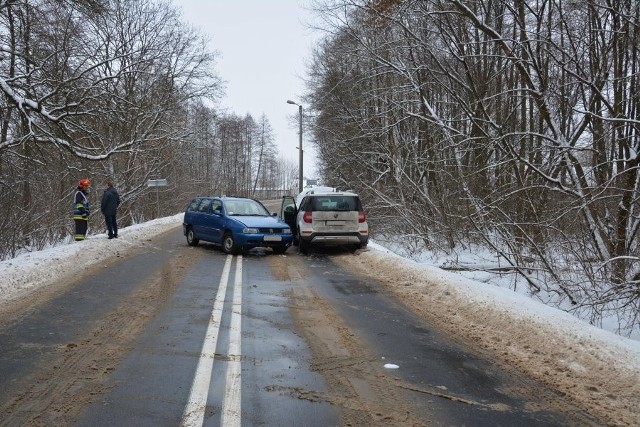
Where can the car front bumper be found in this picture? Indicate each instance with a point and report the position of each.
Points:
(263, 240)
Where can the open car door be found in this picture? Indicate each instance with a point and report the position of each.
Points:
(288, 212)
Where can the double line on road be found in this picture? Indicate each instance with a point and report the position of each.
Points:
(196, 405)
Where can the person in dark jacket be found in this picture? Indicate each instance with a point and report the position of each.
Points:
(109, 206)
(81, 209)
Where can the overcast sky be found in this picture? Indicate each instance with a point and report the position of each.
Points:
(263, 46)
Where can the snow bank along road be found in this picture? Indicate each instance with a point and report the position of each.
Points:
(596, 370)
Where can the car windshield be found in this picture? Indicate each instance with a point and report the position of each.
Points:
(245, 208)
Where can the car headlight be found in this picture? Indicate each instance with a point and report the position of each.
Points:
(286, 231)
(250, 230)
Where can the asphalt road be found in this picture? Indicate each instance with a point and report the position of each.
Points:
(174, 335)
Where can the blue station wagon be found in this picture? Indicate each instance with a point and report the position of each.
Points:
(235, 223)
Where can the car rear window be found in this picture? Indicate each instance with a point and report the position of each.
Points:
(336, 203)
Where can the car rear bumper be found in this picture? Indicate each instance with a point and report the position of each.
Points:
(337, 239)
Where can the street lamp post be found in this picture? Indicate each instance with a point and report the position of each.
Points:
(300, 175)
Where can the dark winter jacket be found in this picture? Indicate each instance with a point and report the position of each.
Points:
(110, 201)
(80, 204)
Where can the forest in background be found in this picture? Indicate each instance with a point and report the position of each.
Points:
(510, 126)
(507, 125)
(122, 90)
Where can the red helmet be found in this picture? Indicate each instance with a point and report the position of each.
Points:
(84, 182)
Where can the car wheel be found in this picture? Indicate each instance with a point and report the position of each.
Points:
(228, 244)
(303, 245)
(191, 239)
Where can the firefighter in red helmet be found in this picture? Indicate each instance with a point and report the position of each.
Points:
(81, 209)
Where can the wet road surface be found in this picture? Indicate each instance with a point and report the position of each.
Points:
(173, 335)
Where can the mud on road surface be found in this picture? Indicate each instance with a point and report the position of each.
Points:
(585, 375)
(356, 384)
(75, 372)
(369, 394)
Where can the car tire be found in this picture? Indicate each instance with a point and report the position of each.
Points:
(228, 244)
(303, 245)
(191, 239)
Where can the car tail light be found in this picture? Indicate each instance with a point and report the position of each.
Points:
(306, 217)
(362, 217)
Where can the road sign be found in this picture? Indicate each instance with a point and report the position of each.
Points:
(157, 183)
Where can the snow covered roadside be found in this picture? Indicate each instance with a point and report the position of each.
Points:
(31, 271)
(597, 369)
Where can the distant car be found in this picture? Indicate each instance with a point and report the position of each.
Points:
(235, 223)
(327, 218)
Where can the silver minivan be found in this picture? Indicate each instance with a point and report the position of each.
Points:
(327, 218)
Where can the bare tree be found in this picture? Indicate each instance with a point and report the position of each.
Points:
(512, 125)
(90, 89)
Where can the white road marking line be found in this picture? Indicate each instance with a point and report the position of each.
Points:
(196, 405)
(232, 403)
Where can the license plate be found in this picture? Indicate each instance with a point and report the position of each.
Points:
(335, 222)
(273, 238)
